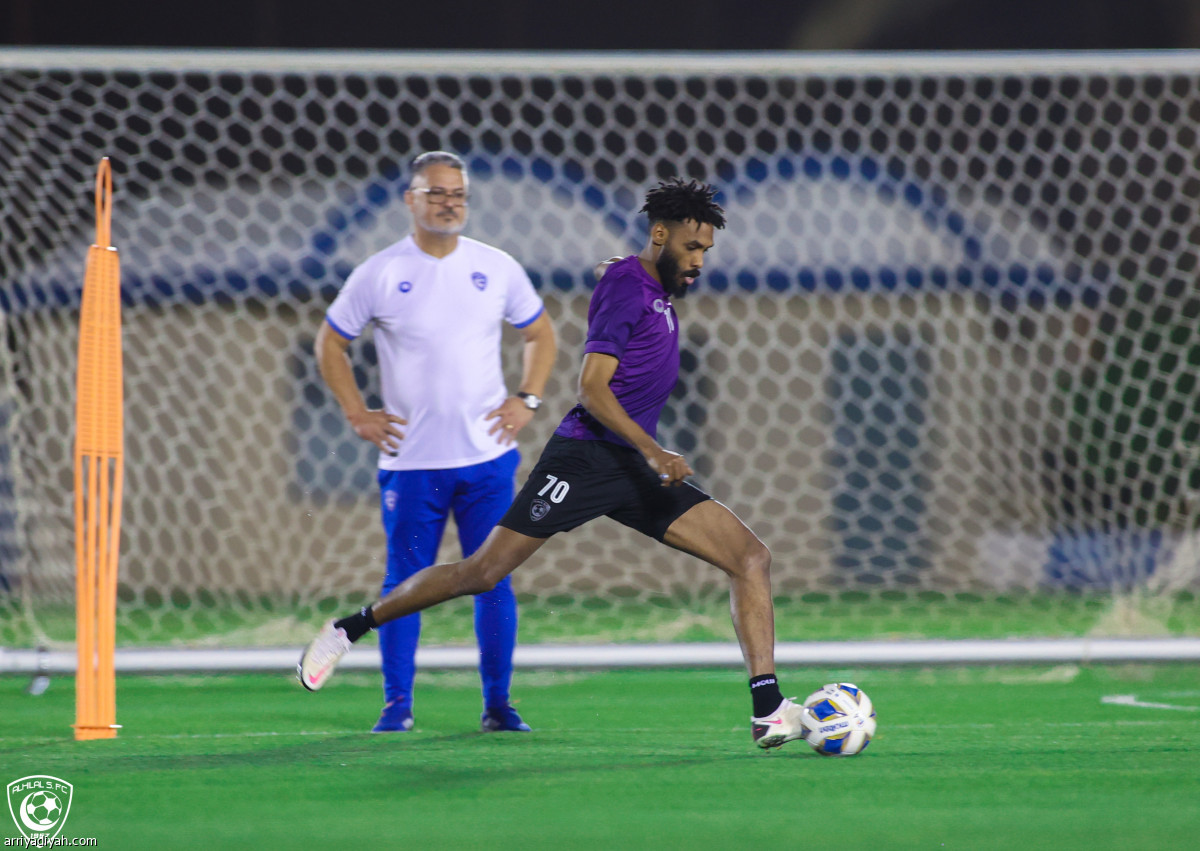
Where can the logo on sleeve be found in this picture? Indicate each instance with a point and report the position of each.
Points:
(405, 286)
(479, 280)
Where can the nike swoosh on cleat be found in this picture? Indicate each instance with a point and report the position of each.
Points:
(313, 679)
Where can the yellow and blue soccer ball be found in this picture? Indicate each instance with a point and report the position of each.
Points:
(839, 720)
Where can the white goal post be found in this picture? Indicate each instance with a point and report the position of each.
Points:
(944, 355)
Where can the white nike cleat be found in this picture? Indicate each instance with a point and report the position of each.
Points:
(322, 655)
(783, 725)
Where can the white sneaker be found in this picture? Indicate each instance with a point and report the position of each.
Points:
(322, 655)
(783, 725)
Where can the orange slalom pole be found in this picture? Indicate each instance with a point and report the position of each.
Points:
(99, 474)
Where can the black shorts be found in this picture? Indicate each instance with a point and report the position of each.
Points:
(579, 480)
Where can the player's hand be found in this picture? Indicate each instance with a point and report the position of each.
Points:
(509, 418)
(380, 428)
(600, 268)
(672, 468)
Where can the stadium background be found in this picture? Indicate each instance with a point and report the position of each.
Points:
(618, 25)
(277, 239)
(1071, 756)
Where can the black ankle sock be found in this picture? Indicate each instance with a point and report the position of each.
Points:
(358, 625)
(765, 693)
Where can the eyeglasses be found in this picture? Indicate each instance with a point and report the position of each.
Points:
(437, 195)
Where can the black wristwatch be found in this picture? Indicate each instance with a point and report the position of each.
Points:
(531, 402)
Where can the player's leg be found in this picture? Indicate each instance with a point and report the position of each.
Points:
(415, 505)
(715, 534)
(712, 532)
(527, 524)
(501, 553)
(484, 494)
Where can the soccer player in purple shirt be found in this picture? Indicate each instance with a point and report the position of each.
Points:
(604, 460)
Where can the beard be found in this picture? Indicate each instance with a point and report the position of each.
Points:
(670, 274)
(447, 227)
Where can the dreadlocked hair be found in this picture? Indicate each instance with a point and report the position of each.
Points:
(675, 201)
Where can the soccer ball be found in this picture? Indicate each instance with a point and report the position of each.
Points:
(43, 808)
(840, 720)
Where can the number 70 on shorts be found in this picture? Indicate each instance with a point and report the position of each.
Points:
(555, 489)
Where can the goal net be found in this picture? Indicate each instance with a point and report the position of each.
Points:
(943, 360)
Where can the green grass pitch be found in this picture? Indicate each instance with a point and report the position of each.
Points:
(965, 758)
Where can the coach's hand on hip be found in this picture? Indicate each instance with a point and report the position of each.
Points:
(510, 418)
(380, 428)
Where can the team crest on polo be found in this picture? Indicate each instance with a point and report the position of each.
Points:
(479, 280)
(538, 509)
(39, 805)
(405, 286)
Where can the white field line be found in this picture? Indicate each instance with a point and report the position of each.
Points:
(715, 654)
(1131, 700)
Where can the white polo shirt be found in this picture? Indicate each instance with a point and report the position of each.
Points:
(437, 335)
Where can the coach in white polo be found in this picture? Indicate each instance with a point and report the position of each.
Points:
(448, 427)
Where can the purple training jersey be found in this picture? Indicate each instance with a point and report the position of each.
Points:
(630, 318)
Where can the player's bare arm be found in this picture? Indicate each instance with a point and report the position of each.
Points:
(377, 427)
(541, 348)
(597, 397)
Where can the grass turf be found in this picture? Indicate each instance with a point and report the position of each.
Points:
(968, 758)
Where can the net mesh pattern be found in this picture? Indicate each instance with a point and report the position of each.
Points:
(948, 343)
